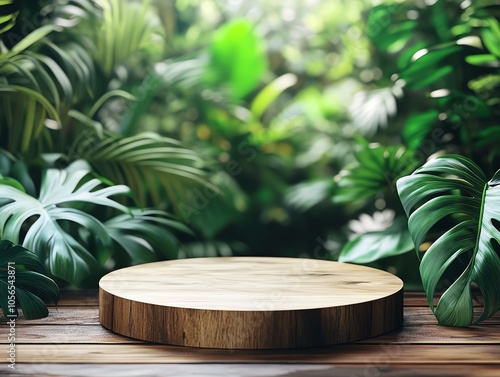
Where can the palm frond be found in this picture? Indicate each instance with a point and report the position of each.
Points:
(151, 165)
(8, 15)
(31, 286)
(377, 170)
(127, 27)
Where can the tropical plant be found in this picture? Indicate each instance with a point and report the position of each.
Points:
(27, 287)
(44, 76)
(375, 173)
(58, 74)
(442, 79)
(59, 227)
(453, 189)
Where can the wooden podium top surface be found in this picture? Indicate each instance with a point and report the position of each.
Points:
(250, 284)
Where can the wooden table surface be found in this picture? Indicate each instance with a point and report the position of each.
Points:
(71, 342)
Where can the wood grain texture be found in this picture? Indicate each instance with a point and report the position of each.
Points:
(356, 354)
(250, 302)
(407, 334)
(72, 343)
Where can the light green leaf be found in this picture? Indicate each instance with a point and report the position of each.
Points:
(237, 58)
(491, 37)
(32, 38)
(306, 195)
(270, 92)
(372, 109)
(372, 246)
(483, 60)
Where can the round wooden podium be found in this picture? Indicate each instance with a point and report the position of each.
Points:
(250, 302)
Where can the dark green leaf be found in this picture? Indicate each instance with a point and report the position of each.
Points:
(32, 287)
(454, 187)
(488, 136)
(426, 62)
(431, 78)
(418, 126)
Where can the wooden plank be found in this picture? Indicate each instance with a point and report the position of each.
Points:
(243, 370)
(67, 334)
(408, 334)
(424, 316)
(89, 315)
(74, 297)
(250, 302)
(412, 298)
(85, 315)
(389, 354)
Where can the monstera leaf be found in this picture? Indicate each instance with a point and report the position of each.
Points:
(454, 188)
(64, 224)
(46, 220)
(32, 287)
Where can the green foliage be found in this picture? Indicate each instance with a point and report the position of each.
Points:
(236, 58)
(169, 169)
(377, 170)
(140, 236)
(58, 72)
(418, 126)
(375, 245)
(453, 186)
(306, 195)
(27, 275)
(125, 30)
(8, 15)
(50, 224)
(444, 57)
